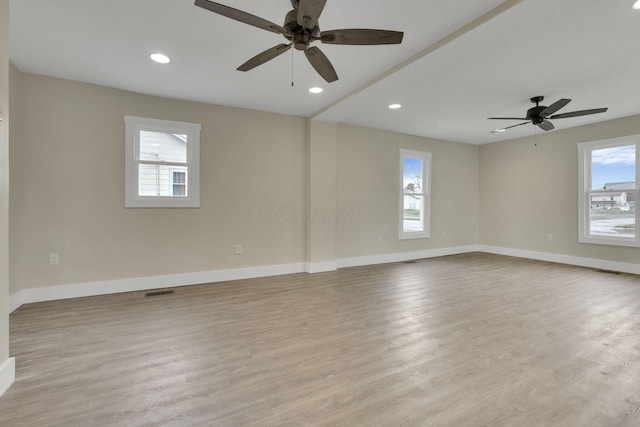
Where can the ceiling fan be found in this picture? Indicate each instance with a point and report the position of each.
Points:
(540, 114)
(301, 28)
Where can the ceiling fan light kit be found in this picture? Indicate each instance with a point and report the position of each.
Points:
(301, 28)
(540, 114)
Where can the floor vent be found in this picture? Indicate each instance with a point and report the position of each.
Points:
(158, 293)
(608, 271)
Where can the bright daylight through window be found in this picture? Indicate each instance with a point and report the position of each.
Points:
(415, 194)
(162, 164)
(608, 182)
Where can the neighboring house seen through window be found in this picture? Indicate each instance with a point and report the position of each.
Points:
(179, 183)
(162, 163)
(415, 194)
(608, 191)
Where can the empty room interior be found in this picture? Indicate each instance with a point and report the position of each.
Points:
(309, 212)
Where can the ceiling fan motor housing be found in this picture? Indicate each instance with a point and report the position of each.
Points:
(301, 37)
(301, 41)
(534, 114)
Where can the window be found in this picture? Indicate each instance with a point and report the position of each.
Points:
(608, 191)
(179, 183)
(162, 164)
(415, 194)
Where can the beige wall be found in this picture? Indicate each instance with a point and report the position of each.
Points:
(4, 181)
(368, 181)
(529, 191)
(68, 188)
(321, 218)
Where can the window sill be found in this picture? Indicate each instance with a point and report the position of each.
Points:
(411, 236)
(162, 202)
(630, 243)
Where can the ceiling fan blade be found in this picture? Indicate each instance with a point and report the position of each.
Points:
(361, 37)
(507, 118)
(546, 125)
(309, 11)
(321, 64)
(509, 127)
(265, 56)
(241, 16)
(579, 113)
(554, 107)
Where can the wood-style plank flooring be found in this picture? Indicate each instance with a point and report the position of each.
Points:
(467, 340)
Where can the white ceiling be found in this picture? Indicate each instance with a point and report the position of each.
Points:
(448, 75)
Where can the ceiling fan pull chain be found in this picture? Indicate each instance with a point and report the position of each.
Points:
(291, 67)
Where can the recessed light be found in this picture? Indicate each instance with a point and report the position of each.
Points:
(636, 5)
(395, 106)
(316, 90)
(498, 130)
(160, 58)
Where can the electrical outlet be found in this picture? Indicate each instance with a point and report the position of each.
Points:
(238, 249)
(379, 237)
(54, 259)
(549, 236)
(444, 234)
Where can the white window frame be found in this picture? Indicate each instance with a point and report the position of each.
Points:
(584, 189)
(133, 126)
(426, 193)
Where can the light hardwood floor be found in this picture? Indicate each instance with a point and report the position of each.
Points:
(468, 340)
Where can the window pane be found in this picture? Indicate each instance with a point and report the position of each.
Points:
(166, 147)
(612, 199)
(412, 178)
(615, 166)
(156, 180)
(179, 190)
(179, 184)
(413, 211)
(179, 177)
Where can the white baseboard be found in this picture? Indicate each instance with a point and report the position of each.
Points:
(105, 287)
(404, 256)
(7, 374)
(78, 290)
(15, 301)
(88, 289)
(321, 267)
(622, 267)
